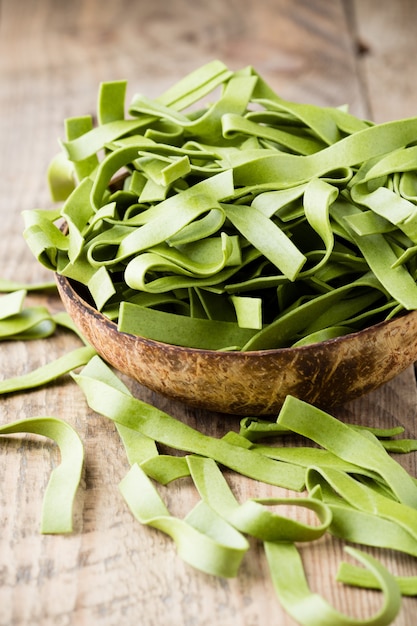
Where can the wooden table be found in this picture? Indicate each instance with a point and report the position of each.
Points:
(111, 570)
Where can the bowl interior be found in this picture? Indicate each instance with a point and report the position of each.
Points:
(326, 374)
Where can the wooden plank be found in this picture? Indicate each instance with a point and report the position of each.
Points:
(111, 570)
(385, 38)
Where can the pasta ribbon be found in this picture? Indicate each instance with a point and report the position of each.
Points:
(64, 480)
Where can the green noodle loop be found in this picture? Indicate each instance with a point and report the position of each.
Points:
(203, 539)
(33, 322)
(253, 516)
(310, 609)
(64, 480)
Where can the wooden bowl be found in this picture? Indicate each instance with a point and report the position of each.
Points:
(254, 383)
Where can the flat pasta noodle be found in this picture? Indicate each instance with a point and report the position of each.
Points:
(253, 517)
(356, 526)
(12, 303)
(351, 574)
(362, 497)
(32, 322)
(13, 285)
(309, 608)
(203, 539)
(120, 406)
(348, 444)
(48, 372)
(57, 509)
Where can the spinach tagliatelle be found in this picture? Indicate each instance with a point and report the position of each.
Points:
(251, 223)
(355, 489)
(234, 219)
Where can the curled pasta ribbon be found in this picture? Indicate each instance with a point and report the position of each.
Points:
(23, 323)
(364, 508)
(209, 537)
(203, 539)
(65, 478)
(350, 445)
(363, 497)
(254, 517)
(107, 398)
(206, 540)
(309, 608)
(320, 205)
(20, 322)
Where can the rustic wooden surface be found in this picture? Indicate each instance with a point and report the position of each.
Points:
(112, 571)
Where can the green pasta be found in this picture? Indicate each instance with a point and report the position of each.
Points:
(24, 323)
(350, 502)
(357, 492)
(249, 223)
(119, 405)
(309, 200)
(64, 480)
(310, 609)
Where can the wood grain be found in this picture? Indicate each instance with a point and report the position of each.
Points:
(385, 42)
(112, 571)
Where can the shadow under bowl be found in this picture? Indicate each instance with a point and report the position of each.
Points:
(255, 383)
